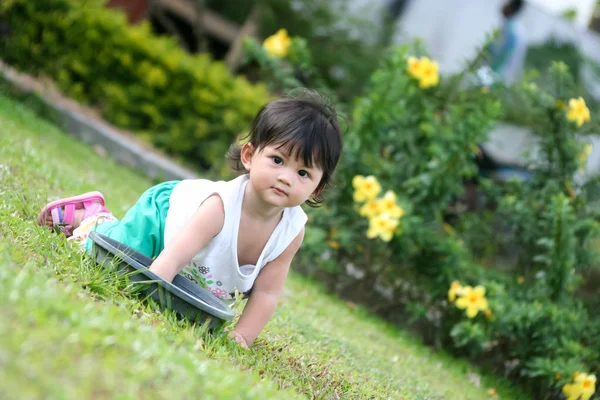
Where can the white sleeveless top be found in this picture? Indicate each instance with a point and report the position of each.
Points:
(216, 266)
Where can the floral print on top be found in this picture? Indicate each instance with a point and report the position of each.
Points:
(199, 275)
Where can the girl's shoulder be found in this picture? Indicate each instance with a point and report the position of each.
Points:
(197, 190)
(201, 182)
(297, 216)
(192, 192)
(187, 186)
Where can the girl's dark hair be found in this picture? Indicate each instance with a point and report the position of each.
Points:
(305, 125)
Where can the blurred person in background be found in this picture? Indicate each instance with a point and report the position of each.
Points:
(509, 48)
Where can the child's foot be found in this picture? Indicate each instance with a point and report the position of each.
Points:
(77, 217)
(67, 214)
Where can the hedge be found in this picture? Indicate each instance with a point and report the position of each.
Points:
(188, 105)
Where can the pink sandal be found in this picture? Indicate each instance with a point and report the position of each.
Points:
(92, 202)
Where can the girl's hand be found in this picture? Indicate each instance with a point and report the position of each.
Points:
(265, 295)
(239, 339)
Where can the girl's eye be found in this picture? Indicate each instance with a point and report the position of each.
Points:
(277, 160)
(303, 173)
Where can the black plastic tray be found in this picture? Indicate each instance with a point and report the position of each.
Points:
(183, 296)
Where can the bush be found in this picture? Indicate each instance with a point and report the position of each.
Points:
(349, 47)
(412, 145)
(584, 73)
(550, 219)
(285, 63)
(540, 57)
(550, 225)
(421, 144)
(188, 105)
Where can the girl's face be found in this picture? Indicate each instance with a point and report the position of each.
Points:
(278, 178)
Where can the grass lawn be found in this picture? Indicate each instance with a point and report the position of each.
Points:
(71, 330)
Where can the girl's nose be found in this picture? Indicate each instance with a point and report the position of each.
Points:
(284, 178)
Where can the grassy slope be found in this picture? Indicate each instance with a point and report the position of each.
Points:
(72, 331)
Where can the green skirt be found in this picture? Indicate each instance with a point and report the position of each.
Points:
(143, 227)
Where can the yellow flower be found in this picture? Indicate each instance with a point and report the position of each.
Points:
(521, 279)
(578, 111)
(488, 313)
(370, 209)
(492, 392)
(365, 188)
(587, 384)
(587, 150)
(582, 389)
(429, 73)
(455, 290)
(387, 204)
(382, 226)
(423, 69)
(414, 67)
(277, 45)
(358, 181)
(473, 300)
(334, 245)
(485, 90)
(571, 391)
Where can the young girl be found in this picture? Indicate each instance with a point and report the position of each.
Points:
(226, 236)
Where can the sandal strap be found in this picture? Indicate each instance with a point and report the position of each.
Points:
(69, 216)
(93, 209)
(57, 217)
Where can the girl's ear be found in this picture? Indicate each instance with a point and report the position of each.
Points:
(246, 155)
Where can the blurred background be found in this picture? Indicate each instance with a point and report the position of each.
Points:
(350, 37)
(451, 30)
(477, 121)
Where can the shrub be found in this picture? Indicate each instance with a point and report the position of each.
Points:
(549, 219)
(188, 105)
(420, 143)
(414, 139)
(349, 44)
(285, 63)
(551, 226)
(541, 57)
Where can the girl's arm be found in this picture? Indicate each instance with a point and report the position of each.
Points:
(204, 225)
(265, 294)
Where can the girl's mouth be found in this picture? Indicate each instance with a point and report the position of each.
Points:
(279, 191)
